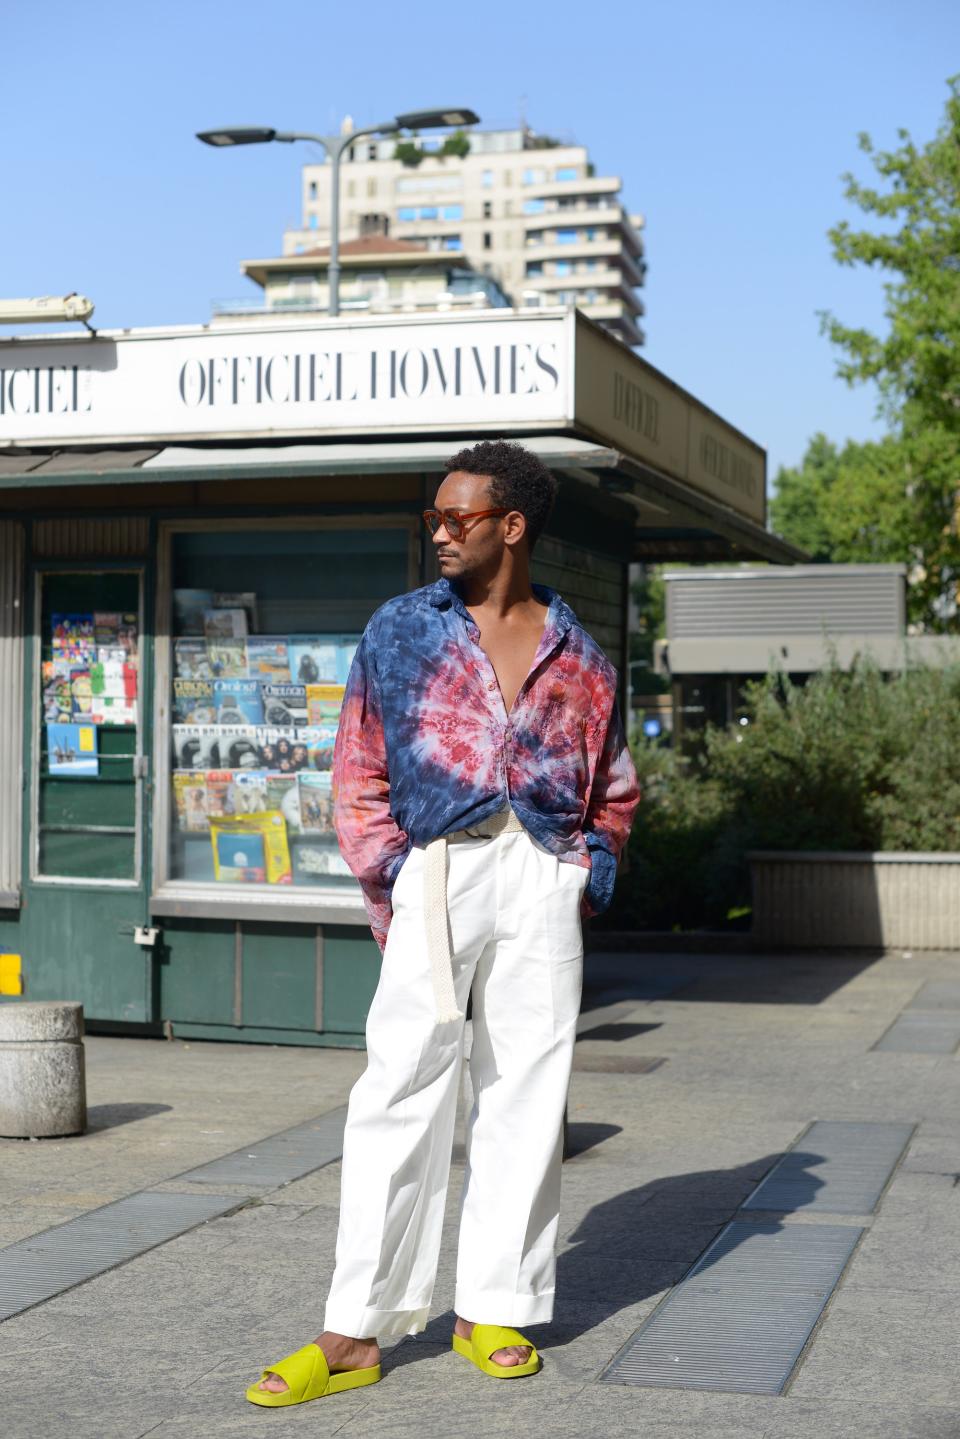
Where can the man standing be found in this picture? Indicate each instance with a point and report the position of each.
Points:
(483, 794)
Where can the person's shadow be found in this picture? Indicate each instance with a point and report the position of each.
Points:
(644, 1241)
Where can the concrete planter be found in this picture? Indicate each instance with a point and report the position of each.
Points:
(847, 899)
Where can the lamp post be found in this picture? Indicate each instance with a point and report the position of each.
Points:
(334, 145)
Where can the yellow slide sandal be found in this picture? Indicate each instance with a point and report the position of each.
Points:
(308, 1376)
(485, 1340)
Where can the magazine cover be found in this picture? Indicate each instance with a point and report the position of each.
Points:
(188, 608)
(324, 703)
(313, 659)
(233, 747)
(282, 793)
(268, 658)
(187, 745)
(112, 674)
(228, 659)
(238, 701)
(113, 709)
(254, 842)
(314, 860)
(319, 740)
(248, 791)
(81, 692)
(115, 630)
(246, 602)
(284, 705)
(239, 851)
(193, 702)
(57, 699)
(279, 749)
(316, 803)
(190, 795)
(220, 799)
(72, 749)
(73, 636)
(220, 625)
(190, 659)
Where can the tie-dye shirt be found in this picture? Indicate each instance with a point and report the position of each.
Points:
(425, 745)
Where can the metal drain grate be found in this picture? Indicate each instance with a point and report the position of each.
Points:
(46, 1264)
(937, 994)
(279, 1159)
(834, 1168)
(740, 1319)
(919, 1031)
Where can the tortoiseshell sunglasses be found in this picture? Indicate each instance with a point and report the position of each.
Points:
(454, 521)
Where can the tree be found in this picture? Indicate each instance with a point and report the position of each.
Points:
(916, 364)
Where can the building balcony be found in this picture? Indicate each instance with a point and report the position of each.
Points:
(573, 218)
(589, 185)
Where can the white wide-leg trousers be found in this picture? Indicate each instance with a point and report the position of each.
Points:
(514, 911)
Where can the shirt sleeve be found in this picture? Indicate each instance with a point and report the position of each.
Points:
(614, 796)
(372, 843)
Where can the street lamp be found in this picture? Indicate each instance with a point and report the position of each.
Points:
(334, 145)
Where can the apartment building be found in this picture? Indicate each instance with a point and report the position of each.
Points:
(523, 208)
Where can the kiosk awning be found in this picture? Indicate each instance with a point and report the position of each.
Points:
(672, 520)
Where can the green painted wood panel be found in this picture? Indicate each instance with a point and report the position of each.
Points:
(196, 970)
(351, 971)
(279, 975)
(78, 944)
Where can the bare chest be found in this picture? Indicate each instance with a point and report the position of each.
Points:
(511, 651)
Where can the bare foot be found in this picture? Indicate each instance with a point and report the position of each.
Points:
(340, 1351)
(507, 1358)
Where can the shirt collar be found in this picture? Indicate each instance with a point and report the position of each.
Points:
(559, 618)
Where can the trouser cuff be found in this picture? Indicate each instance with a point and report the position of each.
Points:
(483, 1307)
(375, 1323)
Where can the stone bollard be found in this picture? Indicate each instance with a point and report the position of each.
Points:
(42, 1086)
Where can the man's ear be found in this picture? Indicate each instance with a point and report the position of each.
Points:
(516, 527)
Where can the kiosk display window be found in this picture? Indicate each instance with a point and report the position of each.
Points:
(263, 630)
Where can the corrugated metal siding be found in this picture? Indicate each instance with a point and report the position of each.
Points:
(11, 702)
(782, 603)
(81, 538)
(592, 585)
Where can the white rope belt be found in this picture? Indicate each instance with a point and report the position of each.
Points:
(435, 905)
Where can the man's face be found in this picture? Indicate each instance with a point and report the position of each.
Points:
(481, 550)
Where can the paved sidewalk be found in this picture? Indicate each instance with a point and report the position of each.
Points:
(755, 1048)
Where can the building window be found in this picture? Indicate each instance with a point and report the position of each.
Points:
(298, 248)
(406, 213)
(453, 242)
(371, 152)
(487, 209)
(563, 267)
(534, 267)
(451, 212)
(371, 188)
(256, 679)
(566, 172)
(312, 221)
(591, 296)
(487, 240)
(429, 212)
(534, 207)
(313, 190)
(534, 177)
(486, 179)
(351, 189)
(567, 237)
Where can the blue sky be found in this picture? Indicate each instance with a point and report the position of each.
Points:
(730, 126)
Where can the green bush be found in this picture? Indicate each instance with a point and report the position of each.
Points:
(852, 760)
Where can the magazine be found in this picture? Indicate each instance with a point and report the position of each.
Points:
(73, 636)
(187, 745)
(283, 794)
(113, 709)
(319, 740)
(115, 630)
(248, 792)
(279, 749)
(284, 704)
(246, 602)
(346, 649)
(269, 658)
(220, 625)
(251, 848)
(324, 703)
(188, 608)
(220, 799)
(72, 749)
(238, 701)
(312, 861)
(190, 795)
(190, 659)
(316, 802)
(233, 747)
(313, 659)
(227, 658)
(81, 692)
(193, 702)
(57, 699)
